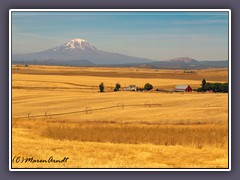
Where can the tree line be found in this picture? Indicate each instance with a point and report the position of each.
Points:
(206, 86)
(215, 87)
(147, 87)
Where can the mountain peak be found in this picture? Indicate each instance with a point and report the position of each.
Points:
(77, 43)
(77, 40)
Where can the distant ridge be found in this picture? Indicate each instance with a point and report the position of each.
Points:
(79, 52)
(183, 59)
(188, 63)
(168, 64)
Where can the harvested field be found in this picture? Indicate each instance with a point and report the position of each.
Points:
(59, 111)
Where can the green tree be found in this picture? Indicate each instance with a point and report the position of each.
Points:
(217, 87)
(118, 86)
(209, 86)
(148, 87)
(101, 87)
(225, 87)
(204, 85)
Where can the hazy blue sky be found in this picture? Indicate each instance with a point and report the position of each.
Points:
(154, 35)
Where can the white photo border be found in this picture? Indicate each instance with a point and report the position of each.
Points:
(119, 169)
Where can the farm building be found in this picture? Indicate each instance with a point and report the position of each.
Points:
(183, 88)
(131, 88)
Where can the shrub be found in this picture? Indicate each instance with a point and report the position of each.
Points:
(199, 89)
(101, 87)
(118, 86)
(148, 87)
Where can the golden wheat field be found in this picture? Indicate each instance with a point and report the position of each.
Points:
(59, 112)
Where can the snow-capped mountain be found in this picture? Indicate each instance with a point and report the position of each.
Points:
(77, 52)
(76, 45)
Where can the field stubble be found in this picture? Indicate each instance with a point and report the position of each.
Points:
(186, 130)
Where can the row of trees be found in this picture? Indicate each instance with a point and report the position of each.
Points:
(147, 87)
(206, 86)
(215, 87)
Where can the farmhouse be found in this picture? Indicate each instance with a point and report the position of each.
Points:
(131, 88)
(183, 88)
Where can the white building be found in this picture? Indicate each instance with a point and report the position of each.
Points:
(131, 88)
